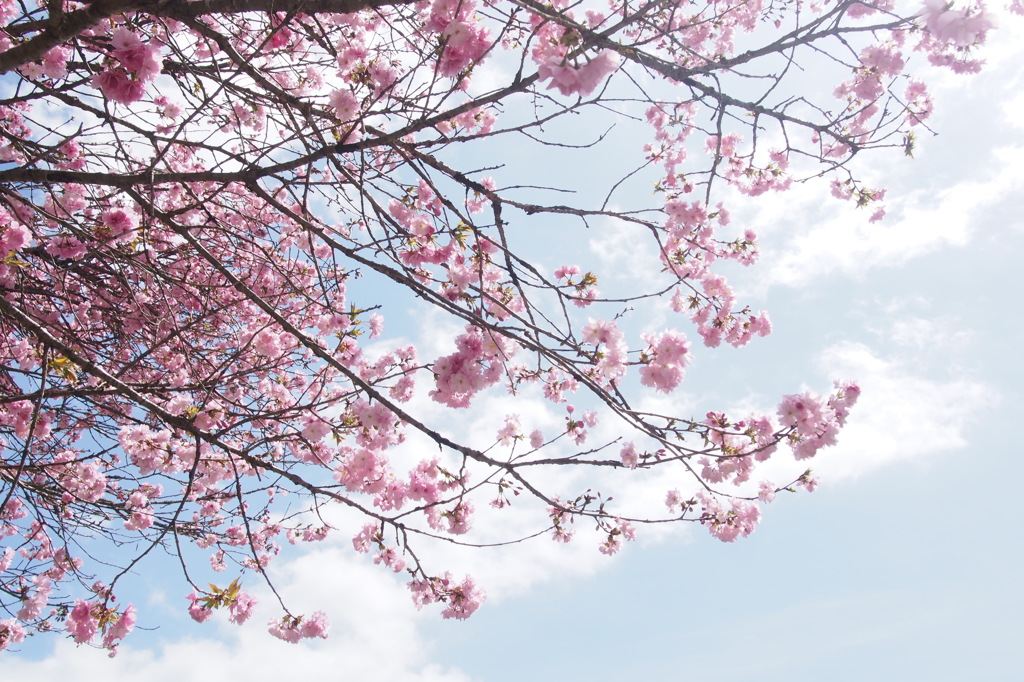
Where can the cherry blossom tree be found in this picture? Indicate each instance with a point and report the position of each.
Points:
(205, 206)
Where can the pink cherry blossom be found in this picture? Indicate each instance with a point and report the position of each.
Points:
(11, 632)
(345, 105)
(957, 26)
(119, 86)
(82, 623)
(120, 629)
(136, 57)
(199, 613)
(629, 455)
(241, 608)
(295, 628)
(582, 80)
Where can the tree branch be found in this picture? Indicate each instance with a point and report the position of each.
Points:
(54, 31)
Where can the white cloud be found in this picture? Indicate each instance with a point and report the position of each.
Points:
(923, 335)
(926, 221)
(375, 634)
(628, 253)
(811, 236)
(901, 414)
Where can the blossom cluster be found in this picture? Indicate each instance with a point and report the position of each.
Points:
(135, 65)
(464, 42)
(558, 59)
(578, 80)
(461, 600)
(478, 362)
(296, 628)
(960, 27)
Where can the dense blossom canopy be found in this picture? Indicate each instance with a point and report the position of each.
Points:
(203, 205)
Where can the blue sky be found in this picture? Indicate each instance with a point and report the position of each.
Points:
(903, 565)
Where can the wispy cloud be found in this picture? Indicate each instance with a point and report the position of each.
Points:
(845, 243)
(375, 634)
(901, 415)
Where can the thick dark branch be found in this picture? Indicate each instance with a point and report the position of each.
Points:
(54, 31)
(203, 7)
(126, 180)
